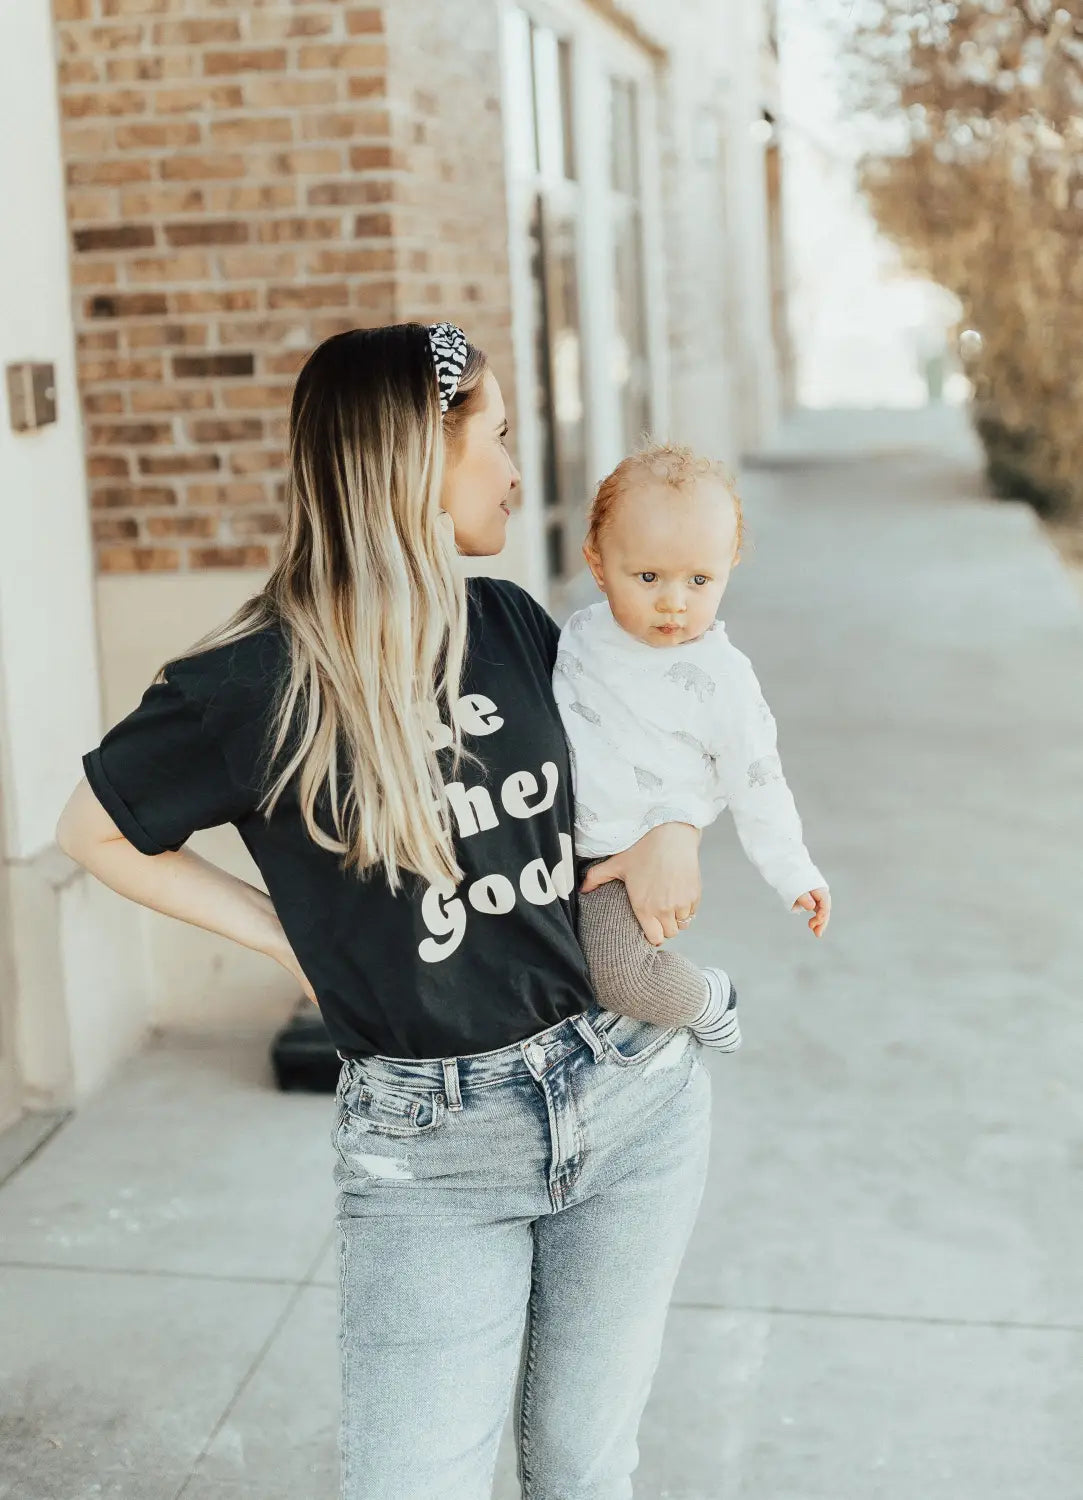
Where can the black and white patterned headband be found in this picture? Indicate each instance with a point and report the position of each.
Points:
(448, 345)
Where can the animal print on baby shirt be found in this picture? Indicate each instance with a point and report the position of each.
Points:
(585, 713)
(693, 679)
(767, 768)
(693, 743)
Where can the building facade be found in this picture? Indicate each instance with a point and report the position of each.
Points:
(203, 190)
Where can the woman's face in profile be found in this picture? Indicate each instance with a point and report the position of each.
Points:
(481, 477)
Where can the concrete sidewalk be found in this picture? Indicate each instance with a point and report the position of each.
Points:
(883, 1299)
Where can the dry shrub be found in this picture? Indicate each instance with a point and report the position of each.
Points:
(982, 189)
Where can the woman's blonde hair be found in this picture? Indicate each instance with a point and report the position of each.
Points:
(373, 600)
(674, 465)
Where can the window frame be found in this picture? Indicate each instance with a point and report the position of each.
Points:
(598, 53)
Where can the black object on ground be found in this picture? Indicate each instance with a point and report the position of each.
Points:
(303, 1055)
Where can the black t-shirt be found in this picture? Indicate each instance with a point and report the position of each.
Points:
(412, 974)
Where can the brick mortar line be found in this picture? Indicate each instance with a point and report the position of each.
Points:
(157, 153)
(149, 88)
(125, 253)
(315, 279)
(151, 153)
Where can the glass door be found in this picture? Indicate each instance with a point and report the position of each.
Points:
(630, 352)
(550, 210)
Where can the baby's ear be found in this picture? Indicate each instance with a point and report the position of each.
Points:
(593, 560)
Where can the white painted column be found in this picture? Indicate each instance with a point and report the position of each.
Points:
(71, 962)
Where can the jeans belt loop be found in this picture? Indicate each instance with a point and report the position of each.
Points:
(451, 1083)
(590, 1036)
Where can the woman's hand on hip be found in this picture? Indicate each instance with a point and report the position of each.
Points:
(661, 875)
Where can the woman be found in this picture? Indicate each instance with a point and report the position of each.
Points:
(383, 735)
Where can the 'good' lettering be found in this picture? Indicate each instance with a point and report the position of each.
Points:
(444, 913)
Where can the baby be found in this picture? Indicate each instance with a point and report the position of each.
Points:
(666, 723)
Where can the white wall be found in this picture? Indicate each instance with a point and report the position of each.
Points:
(50, 682)
(724, 393)
(49, 700)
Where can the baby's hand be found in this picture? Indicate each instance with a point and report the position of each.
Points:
(819, 903)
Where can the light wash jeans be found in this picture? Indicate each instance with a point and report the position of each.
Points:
(549, 1186)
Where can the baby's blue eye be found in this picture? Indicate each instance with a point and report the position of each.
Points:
(648, 577)
(699, 578)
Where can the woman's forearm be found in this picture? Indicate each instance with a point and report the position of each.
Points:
(184, 885)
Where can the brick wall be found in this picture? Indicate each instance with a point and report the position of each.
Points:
(244, 179)
(450, 213)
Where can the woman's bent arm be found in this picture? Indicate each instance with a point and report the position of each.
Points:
(178, 883)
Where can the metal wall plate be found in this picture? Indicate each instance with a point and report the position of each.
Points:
(31, 395)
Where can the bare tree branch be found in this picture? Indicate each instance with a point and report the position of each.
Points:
(984, 194)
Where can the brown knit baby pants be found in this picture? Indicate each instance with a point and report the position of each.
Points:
(630, 975)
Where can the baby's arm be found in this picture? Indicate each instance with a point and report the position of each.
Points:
(635, 978)
(751, 777)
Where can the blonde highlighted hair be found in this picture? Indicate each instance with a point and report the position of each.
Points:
(674, 465)
(370, 592)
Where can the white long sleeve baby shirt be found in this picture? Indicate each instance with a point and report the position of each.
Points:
(674, 734)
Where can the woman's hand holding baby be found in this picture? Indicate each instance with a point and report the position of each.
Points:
(661, 875)
(818, 902)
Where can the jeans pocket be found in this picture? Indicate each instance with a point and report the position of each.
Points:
(630, 1041)
(381, 1110)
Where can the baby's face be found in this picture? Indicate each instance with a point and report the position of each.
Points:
(664, 559)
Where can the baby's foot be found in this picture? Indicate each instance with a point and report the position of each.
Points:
(717, 1024)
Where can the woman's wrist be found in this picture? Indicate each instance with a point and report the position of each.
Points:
(673, 836)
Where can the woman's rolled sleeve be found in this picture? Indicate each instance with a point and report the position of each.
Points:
(160, 775)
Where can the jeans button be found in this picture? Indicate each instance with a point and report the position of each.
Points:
(535, 1054)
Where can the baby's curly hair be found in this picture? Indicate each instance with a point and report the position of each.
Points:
(672, 464)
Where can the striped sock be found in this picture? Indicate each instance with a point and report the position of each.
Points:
(717, 1024)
